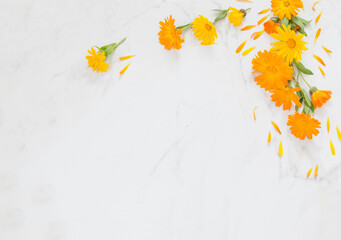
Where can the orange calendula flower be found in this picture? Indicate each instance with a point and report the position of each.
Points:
(248, 27)
(275, 73)
(317, 34)
(236, 16)
(263, 19)
(169, 36)
(289, 44)
(319, 59)
(270, 27)
(247, 51)
(241, 46)
(204, 30)
(332, 149)
(327, 50)
(280, 149)
(322, 72)
(316, 170)
(319, 97)
(303, 125)
(285, 96)
(276, 127)
(318, 18)
(96, 60)
(285, 8)
(309, 172)
(264, 11)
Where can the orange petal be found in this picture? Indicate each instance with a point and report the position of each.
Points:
(269, 137)
(317, 34)
(258, 34)
(318, 17)
(315, 4)
(246, 52)
(264, 11)
(328, 124)
(316, 170)
(263, 19)
(309, 172)
(338, 132)
(276, 127)
(280, 149)
(327, 50)
(322, 71)
(248, 27)
(241, 46)
(126, 57)
(254, 112)
(332, 149)
(124, 69)
(319, 59)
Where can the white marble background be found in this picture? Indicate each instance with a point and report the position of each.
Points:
(169, 150)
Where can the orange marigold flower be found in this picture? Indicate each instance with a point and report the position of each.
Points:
(303, 125)
(275, 73)
(319, 97)
(270, 27)
(169, 36)
(285, 96)
(285, 8)
(236, 16)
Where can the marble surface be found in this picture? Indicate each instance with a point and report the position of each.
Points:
(169, 150)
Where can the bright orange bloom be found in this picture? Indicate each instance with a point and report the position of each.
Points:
(169, 36)
(320, 97)
(275, 73)
(285, 8)
(285, 96)
(303, 125)
(270, 27)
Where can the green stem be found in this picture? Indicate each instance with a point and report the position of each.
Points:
(121, 42)
(222, 15)
(304, 79)
(183, 27)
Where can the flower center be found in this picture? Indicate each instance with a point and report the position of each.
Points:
(272, 69)
(208, 27)
(286, 3)
(291, 43)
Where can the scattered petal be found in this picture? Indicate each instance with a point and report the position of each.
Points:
(280, 149)
(258, 34)
(319, 59)
(317, 34)
(328, 124)
(309, 172)
(269, 137)
(254, 112)
(241, 46)
(124, 69)
(276, 127)
(264, 11)
(338, 132)
(248, 27)
(244, 0)
(246, 52)
(263, 19)
(322, 71)
(327, 50)
(316, 170)
(318, 17)
(315, 4)
(332, 149)
(126, 57)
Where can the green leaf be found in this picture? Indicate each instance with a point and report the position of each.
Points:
(184, 26)
(305, 22)
(285, 21)
(275, 19)
(301, 30)
(306, 109)
(298, 22)
(220, 16)
(296, 108)
(219, 10)
(302, 68)
(307, 100)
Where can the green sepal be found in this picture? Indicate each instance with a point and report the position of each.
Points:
(302, 68)
(285, 21)
(110, 48)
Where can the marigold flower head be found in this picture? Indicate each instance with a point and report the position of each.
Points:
(319, 97)
(169, 36)
(270, 26)
(204, 30)
(285, 96)
(275, 73)
(303, 125)
(285, 8)
(289, 44)
(96, 60)
(236, 16)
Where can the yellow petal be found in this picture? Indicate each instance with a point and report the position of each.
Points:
(264, 11)
(322, 71)
(126, 57)
(248, 27)
(319, 59)
(327, 50)
(332, 149)
(258, 34)
(338, 132)
(124, 69)
(241, 46)
(309, 172)
(276, 127)
(318, 17)
(246, 52)
(315, 4)
(317, 34)
(328, 124)
(254, 112)
(269, 137)
(316, 170)
(263, 19)
(280, 149)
